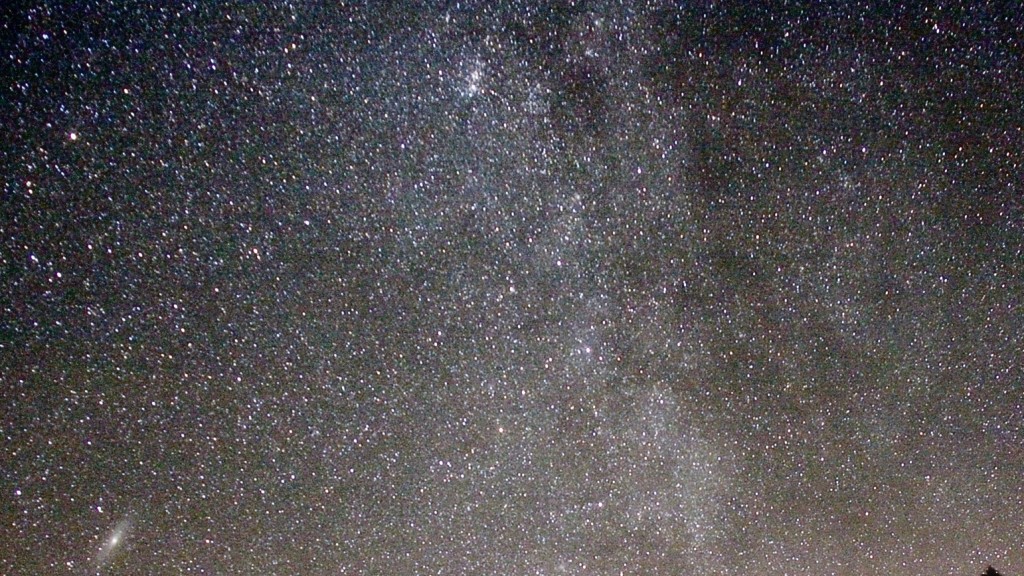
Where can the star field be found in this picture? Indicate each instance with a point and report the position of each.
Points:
(524, 288)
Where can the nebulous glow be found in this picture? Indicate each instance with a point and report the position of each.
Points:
(112, 542)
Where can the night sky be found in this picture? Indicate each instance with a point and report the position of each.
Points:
(511, 288)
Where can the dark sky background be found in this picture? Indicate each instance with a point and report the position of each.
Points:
(517, 288)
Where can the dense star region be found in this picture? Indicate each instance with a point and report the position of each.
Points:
(520, 288)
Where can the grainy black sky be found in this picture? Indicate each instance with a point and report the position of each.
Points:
(519, 288)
